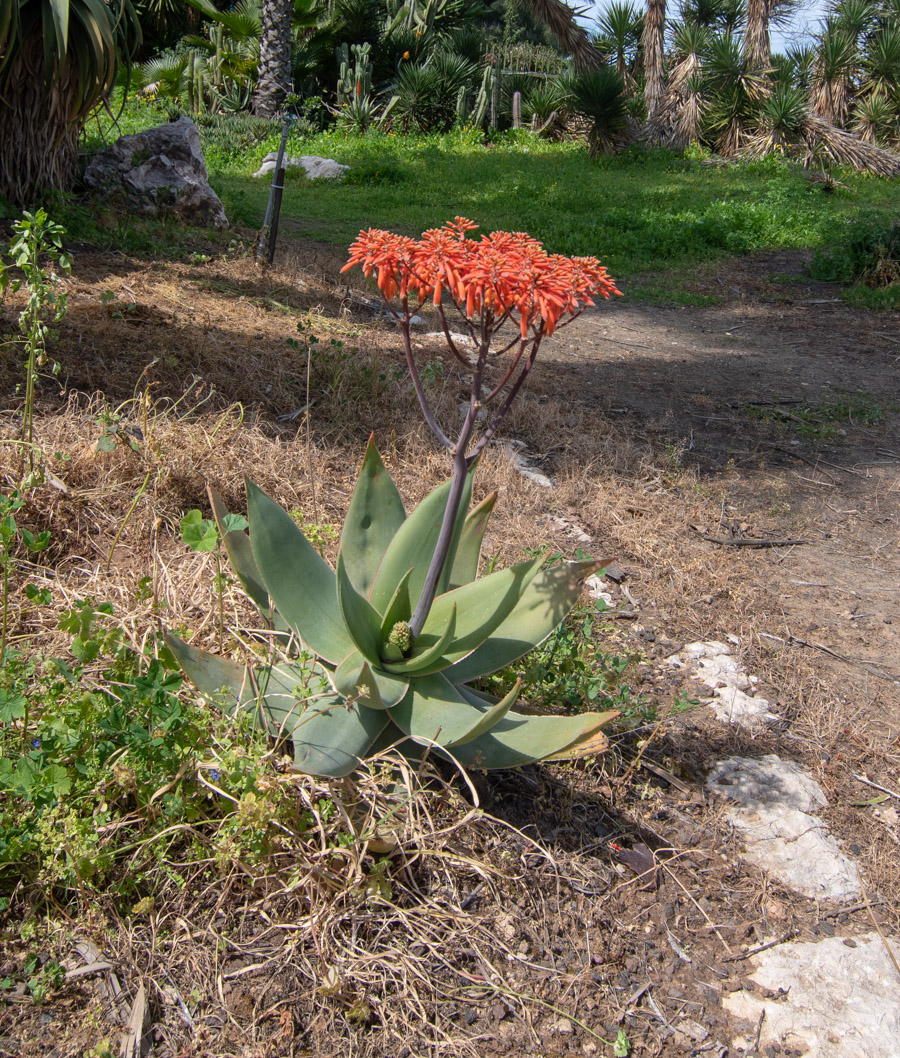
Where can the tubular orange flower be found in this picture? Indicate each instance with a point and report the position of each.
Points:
(502, 274)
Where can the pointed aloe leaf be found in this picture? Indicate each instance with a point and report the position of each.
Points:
(435, 710)
(212, 675)
(361, 619)
(545, 602)
(495, 711)
(413, 545)
(432, 658)
(300, 583)
(398, 609)
(332, 739)
(375, 514)
(274, 693)
(465, 565)
(482, 605)
(519, 739)
(240, 554)
(382, 689)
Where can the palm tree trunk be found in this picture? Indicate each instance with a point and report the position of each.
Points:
(654, 44)
(274, 58)
(39, 126)
(757, 50)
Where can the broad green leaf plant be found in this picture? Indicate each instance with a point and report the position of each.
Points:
(382, 651)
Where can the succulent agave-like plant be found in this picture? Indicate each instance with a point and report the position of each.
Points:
(371, 684)
(383, 649)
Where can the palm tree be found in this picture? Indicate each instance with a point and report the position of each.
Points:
(58, 59)
(653, 40)
(757, 49)
(619, 34)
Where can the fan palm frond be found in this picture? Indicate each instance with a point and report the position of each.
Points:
(831, 82)
(881, 61)
(559, 18)
(619, 30)
(58, 59)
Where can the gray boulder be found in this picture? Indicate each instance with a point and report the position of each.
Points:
(159, 172)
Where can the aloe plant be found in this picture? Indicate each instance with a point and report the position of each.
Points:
(362, 683)
(383, 649)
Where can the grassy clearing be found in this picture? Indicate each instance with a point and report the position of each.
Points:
(640, 211)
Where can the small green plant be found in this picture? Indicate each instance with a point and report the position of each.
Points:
(570, 670)
(86, 755)
(823, 421)
(203, 535)
(868, 254)
(36, 251)
(320, 534)
(10, 535)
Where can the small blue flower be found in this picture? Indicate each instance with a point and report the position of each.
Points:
(214, 774)
(36, 742)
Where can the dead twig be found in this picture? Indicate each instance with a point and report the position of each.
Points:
(875, 785)
(761, 947)
(741, 541)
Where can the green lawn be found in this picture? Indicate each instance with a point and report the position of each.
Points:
(640, 211)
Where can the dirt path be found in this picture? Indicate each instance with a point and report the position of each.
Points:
(726, 389)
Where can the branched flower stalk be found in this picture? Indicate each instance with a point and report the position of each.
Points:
(504, 277)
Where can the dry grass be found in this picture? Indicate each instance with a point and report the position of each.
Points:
(456, 921)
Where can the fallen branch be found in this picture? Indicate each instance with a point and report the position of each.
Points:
(744, 541)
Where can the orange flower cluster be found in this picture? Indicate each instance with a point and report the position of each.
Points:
(503, 274)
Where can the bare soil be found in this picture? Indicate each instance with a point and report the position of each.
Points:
(584, 899)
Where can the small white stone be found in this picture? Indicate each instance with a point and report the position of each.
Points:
(595, 586)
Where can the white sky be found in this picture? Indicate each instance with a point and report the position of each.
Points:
(802, 25)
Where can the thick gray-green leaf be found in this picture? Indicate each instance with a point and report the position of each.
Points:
(375, 514)
(240, 554)
(435, 710)
(431, 659)
(494, 713)
(361, 619)
(465, 564)
(519, 739)
(413, 546)
(299, 582)
(377, 689)
(332, 739)
(546, 601)
(224, 682)
(398, 609)
(481, 606)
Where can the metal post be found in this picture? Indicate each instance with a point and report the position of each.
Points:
(262, 242)
(278, 187)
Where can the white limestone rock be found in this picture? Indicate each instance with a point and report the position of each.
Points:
(316, 168)
(776, 800)
(712, 663)
(841, 1000)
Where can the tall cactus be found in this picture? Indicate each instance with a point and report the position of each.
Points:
(355, 83)
(480, 107)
